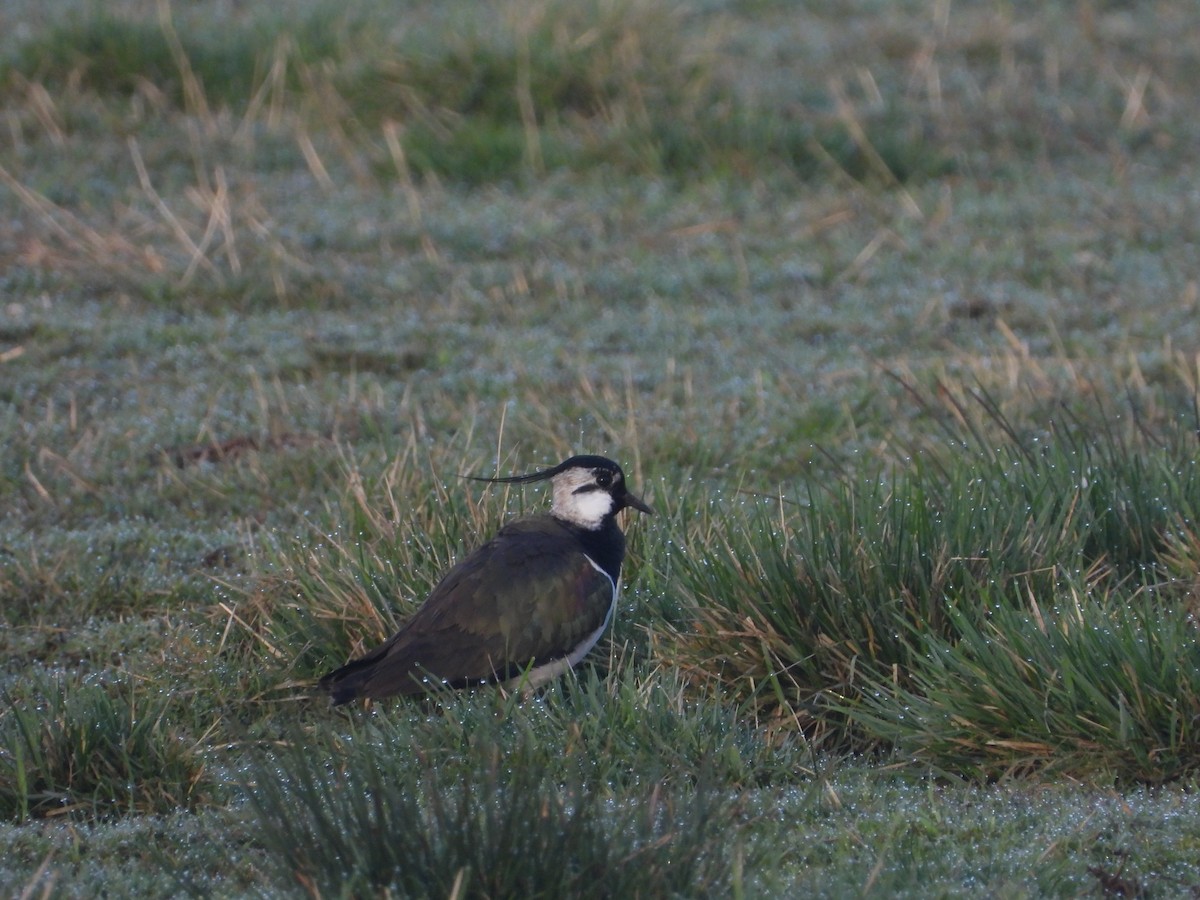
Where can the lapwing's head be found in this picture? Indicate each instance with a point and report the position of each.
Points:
(588, 490)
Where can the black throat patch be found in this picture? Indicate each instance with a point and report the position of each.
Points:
(605, 545)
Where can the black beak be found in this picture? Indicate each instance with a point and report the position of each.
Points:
(632, 499)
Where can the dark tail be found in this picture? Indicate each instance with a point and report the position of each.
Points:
(345, 684)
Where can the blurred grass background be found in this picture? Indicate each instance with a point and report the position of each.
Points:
(891, 309)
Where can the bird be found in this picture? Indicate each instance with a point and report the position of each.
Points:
(522, 609)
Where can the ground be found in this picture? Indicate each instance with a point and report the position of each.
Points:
(890, 309)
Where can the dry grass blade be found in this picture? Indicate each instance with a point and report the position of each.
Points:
(197, 254)
(84, 244)
(47, 885)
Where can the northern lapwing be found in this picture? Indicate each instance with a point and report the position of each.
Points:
(523, 608)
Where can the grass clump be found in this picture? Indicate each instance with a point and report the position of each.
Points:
(93, 750)
(510, 803)
(1019, 584)
(1100, 687)
(508, 831)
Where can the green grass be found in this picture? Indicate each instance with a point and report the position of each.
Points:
(127, 55)
(906, 590)
(890, 311)
(94, 750)
(610, 817)
(1108, 686)
(572, 85)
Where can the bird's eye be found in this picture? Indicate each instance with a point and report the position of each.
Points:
(604, 478)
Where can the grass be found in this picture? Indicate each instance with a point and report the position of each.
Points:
(569, 85)
(905, 590)
(890, 311)
(90, 749)
(463, 809)
(1103, 687)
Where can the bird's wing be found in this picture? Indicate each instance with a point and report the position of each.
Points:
(527, 597)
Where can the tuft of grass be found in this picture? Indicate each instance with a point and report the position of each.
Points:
(1100, 688)
(509, 830)
(94, 750)
(509, 801)
(857, 594)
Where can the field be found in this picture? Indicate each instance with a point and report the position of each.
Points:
(890, 309)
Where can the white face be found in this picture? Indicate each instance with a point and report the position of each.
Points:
(587, 508)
